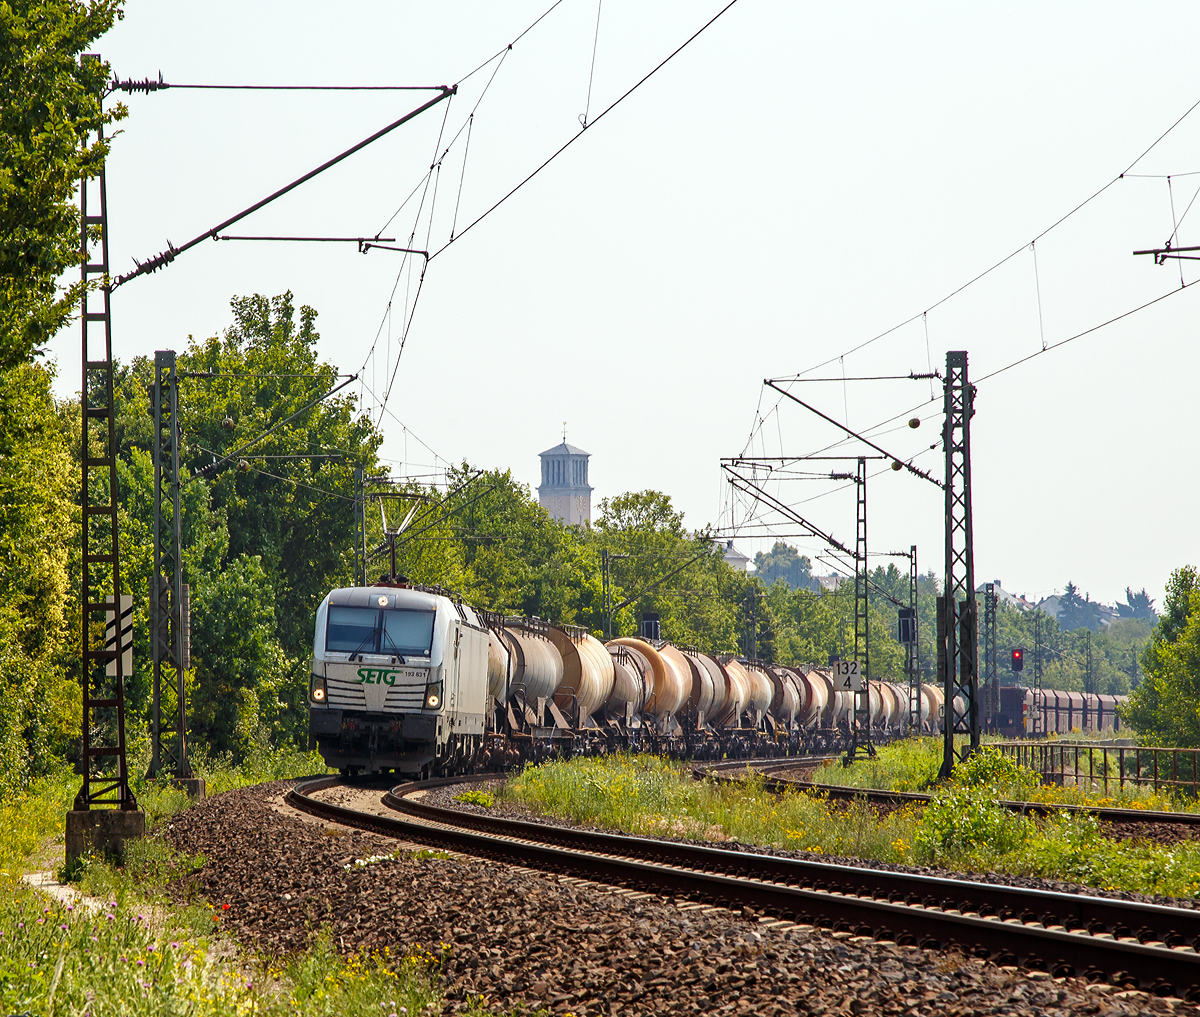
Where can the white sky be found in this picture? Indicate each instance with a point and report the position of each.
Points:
(801, 178)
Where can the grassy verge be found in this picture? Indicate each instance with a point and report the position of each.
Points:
(913, 764)
(656, 797)
(154, 950)
(65, 960)
(962, 828)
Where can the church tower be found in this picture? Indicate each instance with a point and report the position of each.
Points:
(564, 490)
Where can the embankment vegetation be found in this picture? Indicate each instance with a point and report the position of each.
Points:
(139, 942)
(963, 828)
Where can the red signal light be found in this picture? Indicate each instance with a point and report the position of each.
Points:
(1018, 660)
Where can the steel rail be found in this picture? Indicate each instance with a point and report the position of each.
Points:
(1063, 934)
(775, 782)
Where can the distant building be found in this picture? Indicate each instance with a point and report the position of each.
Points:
(733, 557)
(1051, 606)
(564, 490)
(1011, 599)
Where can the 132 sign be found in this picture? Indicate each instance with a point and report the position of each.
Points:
(847, 676)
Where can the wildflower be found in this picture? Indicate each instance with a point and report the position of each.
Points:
(70, 907)
(141, 963)
(20, 925)
(224, 907)
(63, 927)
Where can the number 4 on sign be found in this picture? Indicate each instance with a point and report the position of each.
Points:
(847, 676)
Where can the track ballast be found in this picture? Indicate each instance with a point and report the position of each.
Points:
(1124, 943)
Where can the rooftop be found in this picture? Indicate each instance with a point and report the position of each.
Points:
(564, 449)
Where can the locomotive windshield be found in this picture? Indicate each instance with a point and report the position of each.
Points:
(409, 633)
(367, 630)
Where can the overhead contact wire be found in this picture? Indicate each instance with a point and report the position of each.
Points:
(592, 73)
(576, 137)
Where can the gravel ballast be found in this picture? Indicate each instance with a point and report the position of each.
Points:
(523, 940)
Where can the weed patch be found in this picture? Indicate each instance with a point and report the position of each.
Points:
(964, 826)
(481, 798)
(656, 797)
(60, 959)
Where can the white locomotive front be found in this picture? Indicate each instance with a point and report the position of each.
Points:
(399, 681)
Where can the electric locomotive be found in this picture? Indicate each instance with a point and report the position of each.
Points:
(399, 681)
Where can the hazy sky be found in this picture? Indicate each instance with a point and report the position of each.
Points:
(800, 179)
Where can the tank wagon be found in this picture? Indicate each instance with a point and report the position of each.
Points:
(1037, 712)
(412, 680)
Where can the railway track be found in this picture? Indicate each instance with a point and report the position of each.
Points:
(776, 782)
(1127, 944)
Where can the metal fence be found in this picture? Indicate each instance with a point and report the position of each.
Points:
(1099, 765)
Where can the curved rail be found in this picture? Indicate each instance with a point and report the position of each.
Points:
(1118, 941)
(775, 782)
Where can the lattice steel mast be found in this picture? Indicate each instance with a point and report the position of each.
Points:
(102, 677)
(957, 658)
(860, 725)
(169, 601)
(912, 662)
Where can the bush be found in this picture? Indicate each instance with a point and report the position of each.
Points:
(967, 826)
(996, 773)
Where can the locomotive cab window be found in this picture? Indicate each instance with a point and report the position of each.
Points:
(407, 633)
(351, 630)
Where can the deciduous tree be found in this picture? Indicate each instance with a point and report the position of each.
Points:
(52, 102)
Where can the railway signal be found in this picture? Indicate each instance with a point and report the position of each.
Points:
(1018, 660)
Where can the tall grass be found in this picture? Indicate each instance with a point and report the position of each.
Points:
(964, 827)
(33, 818)
(656, 797)
(56, 959)
(913, 765)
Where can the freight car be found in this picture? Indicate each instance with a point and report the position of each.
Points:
(1037, 712)
(410, 679)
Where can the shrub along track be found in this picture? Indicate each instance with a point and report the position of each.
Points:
(1166, 826)
(1120, 942)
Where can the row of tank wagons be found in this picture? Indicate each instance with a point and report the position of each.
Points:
(589, 683)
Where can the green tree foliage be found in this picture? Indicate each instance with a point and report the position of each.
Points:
(1064, 652)
(1165, 707)
(40, 715)
(1076, 612)
(784, 562)
(666, 569)
(296, 514)
(52, 102)
(1137, 605)
(264, 538)
(36, 508)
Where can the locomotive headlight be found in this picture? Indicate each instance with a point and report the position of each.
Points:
(433, 696)
(316, 688)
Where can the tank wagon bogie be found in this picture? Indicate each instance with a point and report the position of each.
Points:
(409, 679)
